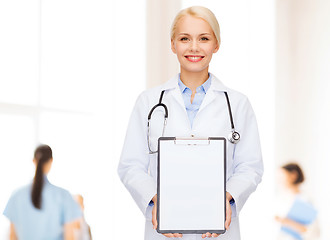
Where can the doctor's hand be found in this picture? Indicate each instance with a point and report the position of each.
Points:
(228, 218)
(155, 223)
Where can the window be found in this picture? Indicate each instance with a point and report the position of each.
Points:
(63, 83)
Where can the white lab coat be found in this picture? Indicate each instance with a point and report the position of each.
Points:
(138, 169)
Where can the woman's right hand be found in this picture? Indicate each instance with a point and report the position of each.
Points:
(155, 223)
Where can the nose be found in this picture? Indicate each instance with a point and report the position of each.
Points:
(194, 47)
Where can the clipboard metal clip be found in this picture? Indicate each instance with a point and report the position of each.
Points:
(191, 141)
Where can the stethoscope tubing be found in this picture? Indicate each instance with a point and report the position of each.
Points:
(234, 137)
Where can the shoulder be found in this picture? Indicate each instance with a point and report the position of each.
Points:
(21, 192)
(70, 208)
(237, 96)
(152, 95)
(56, 195)
(234, 96)
(61, 192)
(18, 198)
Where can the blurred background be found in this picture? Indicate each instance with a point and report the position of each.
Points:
(70, 72)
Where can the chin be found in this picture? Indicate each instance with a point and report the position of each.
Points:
(195, 70)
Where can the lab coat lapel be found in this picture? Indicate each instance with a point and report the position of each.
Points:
(209, 97)
(173, 86)
(216, 85)
(178, 97)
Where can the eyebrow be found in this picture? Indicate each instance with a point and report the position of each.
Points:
(187, 34)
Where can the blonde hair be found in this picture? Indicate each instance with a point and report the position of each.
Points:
(199, 12)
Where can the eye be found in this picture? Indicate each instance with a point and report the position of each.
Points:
(204, 39)
(184, 39)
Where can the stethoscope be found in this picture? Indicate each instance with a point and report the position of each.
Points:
(233, 136)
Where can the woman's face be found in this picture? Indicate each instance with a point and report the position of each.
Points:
(194, 44)
(287, 178)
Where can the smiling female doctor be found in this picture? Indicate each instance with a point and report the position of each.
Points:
(197, 106)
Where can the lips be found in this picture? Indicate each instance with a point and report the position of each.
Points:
(194, 58)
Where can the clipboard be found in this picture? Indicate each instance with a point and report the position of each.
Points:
(191, 185)
(302, 212)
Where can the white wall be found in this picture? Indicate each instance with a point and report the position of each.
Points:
(161, 62)
(61, 83)
(302, 94)
(130, 73)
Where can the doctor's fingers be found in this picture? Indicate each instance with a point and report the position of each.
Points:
(228, 215)
(173, 235)
(154, 216)
(209, 235)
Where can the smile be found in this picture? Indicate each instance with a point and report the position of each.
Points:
(193, 58)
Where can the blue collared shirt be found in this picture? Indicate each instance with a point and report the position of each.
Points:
(57, 208)
(192, 108)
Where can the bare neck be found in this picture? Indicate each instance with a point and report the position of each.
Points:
(295, 189)
(193, 80)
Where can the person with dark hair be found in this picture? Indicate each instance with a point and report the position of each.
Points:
(299, 221)
(295, 173)
(41, 210)
(192, 104)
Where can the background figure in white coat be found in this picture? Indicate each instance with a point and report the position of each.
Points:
(298, 218)
(197, 107)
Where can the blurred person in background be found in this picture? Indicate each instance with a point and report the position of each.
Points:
(82, 231)
(298, 219)
(41, 210)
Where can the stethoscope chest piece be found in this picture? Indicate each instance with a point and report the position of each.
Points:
(234, 137)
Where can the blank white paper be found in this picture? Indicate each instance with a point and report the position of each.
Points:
(191, 185)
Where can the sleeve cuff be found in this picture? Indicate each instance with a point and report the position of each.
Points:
(232, 201)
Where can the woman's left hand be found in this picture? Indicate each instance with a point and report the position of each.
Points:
(228, 218)
(155, 223)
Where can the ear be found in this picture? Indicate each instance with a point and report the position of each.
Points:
(173, 46)
(216, 48)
